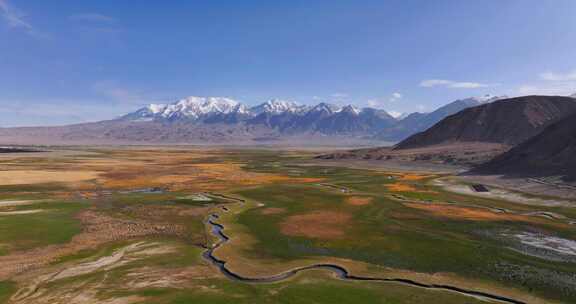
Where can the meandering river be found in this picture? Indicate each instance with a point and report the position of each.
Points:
(342, 273)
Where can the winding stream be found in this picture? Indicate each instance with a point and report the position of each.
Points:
(217, 230)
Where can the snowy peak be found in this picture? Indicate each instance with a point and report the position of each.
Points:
(486, 98)
(325, 107)
(192, 107)
(350, 109)
(198, 106)
(398, 115)
(276, 106)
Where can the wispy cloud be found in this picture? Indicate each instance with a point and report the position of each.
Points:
(559, 89)
(553, 76)
(374, 103)
(551, 83)
(339, 95)
(381, 102)
(339, 98)
(93, 17)
(430, 83)
(117, 93)
(395, 96)
(14, 18)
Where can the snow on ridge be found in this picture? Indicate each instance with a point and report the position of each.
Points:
(398, 115)
(350, 108)
(487, 98)
(194, 106)
(277, 106)
(330, 108)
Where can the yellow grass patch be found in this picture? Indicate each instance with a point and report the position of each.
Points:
(399, 187)
(174, 173)
(413, 177)
(472, 214)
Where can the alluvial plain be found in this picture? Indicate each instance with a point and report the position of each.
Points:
(137, 225)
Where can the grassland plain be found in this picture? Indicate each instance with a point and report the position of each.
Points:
(398, 229)
(127, 225)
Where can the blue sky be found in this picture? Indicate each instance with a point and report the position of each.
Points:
(72, 61)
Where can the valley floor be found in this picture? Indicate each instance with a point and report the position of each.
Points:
(190, 225)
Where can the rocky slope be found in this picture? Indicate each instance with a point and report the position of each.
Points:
(552, 152)
(508, 122)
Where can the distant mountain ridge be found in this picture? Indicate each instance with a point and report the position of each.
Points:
(289, 118)
(479, 134)
(417, 122)
(225, 120)
(283, 116)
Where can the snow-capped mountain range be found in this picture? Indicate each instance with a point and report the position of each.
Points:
(288, 117)
(190, 108)
(199, 108)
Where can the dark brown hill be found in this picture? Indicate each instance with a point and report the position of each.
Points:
(507, 121)
(552, 152)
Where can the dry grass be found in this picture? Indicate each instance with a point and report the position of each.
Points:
(176, 170)
(475, 214)
(174, 173)
(359, 200)
(318, 224)
(413, 177)
(272, 210)
(24, 177)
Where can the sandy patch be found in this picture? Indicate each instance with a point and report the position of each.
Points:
(21, 212)
(359, 200)
(318, 224)
(152, 277)
(552, 243)
(24, 177)
(98, 229)
(272, 210)
(503, 194)
(38, 287)
(118, 258)
(199, 197)
(18, 203)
